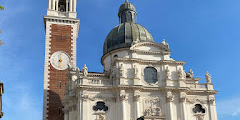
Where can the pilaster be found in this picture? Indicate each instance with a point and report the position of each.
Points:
(122, 99)
(79, 106)
(136, 100)
(212, 108)
(85, 107)
(66, 115)
(182, 101)
(170, 99)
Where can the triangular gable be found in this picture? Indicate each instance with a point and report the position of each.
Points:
(150, 47)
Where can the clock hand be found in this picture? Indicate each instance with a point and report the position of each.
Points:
(60, 60)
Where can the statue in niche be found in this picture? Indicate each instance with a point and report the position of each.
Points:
(121, 70)
(85, 70)
(190, 74)
(113, 73)
(181, 74)
(135, 71)
(168, 74)
(208, 77)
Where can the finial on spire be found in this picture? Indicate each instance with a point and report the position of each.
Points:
(126, 1)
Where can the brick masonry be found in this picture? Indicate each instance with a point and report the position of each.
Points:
(60, 40)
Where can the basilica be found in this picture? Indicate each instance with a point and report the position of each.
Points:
(140, 79)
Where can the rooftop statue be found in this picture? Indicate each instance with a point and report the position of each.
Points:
(190, 74)
(85, 70)
(208, 77)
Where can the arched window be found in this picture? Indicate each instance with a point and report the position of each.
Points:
(150, 75)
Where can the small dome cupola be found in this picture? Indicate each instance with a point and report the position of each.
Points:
(127, 13)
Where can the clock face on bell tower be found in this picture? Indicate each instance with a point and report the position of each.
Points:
(61, 26)
(60, 60)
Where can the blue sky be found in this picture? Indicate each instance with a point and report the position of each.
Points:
(204, 33)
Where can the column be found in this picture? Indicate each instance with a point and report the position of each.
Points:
(74, 5)
(67, 2)
(49, 4)
(57, 5)
(53, 6)
(169, 103)
(137, 106)
(70, 6)
(123, 99)
(183, 108)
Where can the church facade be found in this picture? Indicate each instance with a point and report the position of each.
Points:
(140, 79)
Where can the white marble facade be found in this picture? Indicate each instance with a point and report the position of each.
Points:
(123, 92)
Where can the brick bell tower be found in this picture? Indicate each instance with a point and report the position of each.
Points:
(61, 28)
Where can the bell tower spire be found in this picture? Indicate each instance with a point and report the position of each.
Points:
(62, 8)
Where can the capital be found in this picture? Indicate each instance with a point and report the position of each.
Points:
(170, 98)
(136, 97)
(123, 97)
(85, 97)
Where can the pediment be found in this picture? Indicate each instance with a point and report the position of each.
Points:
(150, 47)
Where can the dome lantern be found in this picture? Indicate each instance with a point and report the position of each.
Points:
(127, 13)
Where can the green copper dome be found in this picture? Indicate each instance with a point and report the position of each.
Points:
(127, 32)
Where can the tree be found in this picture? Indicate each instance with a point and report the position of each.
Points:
(1, 7)
(1, 43)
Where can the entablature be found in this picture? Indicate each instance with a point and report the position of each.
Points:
(161, 62)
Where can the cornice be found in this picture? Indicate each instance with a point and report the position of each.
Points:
(61, 19)
(193, 79)
(188, 91)
(151, 53)
(65, 20)
(161, 62)
(96, 74)
(151, 44)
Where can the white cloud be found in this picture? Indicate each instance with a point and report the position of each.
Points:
(229, 107)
